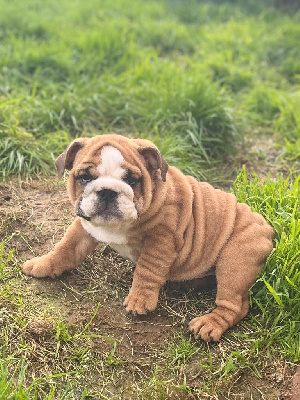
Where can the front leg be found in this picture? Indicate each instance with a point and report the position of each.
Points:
(150, 273)
(66, 254)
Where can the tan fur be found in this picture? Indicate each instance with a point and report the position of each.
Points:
(185, 230)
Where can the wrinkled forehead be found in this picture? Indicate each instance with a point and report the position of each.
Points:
(107, 161)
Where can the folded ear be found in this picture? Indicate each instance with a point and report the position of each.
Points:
(154, 160)
(66, 159)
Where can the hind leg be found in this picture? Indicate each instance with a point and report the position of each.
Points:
(237, 267)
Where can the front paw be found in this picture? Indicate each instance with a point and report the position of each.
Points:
(137, 303)
(40, 267)
(208, 327)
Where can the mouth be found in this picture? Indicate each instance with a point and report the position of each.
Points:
(104, 213)
(81, 214)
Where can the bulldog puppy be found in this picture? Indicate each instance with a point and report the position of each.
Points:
(170, 225)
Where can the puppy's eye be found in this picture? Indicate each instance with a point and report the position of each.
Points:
(131, 180)
(84, 179)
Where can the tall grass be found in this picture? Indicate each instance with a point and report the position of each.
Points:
(202, 73)
(277, 291)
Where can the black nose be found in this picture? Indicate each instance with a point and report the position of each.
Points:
(107, 195)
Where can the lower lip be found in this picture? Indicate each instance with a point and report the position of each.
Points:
(86, 218)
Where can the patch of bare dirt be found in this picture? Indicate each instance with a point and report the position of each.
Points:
(261, 156)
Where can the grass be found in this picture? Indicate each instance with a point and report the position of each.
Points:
(202, 81)
(203, 73)
(277, 293)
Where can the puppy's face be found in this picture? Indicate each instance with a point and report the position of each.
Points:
(107, 188)
(112, 178)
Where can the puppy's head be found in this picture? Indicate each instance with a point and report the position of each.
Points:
(112, 178)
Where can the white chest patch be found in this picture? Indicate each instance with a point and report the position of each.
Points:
(124, 250)
(105, 234)
(116, 239)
